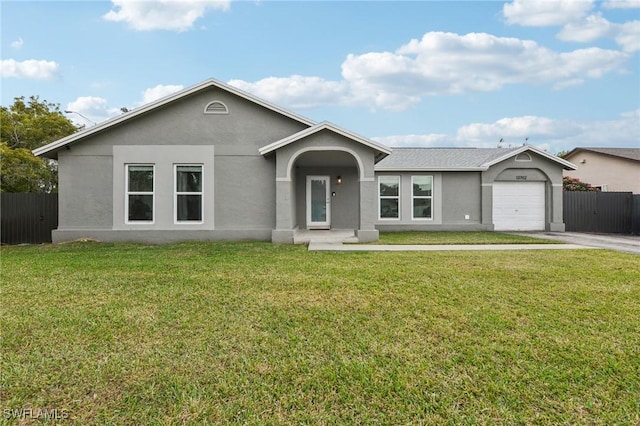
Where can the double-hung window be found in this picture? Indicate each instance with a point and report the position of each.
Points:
(422, 194)
(188, 194)
(139, 201)
(389, 196)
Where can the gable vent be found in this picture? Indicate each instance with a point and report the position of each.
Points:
(523, 157)
(216, 107)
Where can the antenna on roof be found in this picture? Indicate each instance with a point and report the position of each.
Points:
(526, 141)
(500, 142)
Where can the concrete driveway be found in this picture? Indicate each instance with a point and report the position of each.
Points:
(618, 242)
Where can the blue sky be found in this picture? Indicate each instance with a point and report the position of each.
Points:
(558, 73)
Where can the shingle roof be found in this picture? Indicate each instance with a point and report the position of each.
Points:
(628, 153)
(441, 158)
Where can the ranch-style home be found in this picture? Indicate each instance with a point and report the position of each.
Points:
(213, 162)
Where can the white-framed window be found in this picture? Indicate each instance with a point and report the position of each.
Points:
(189, 207)
(389, 197)
(140, 200)
(421, 197)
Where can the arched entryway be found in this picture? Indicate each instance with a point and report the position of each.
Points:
(325, 179)
(327, 190)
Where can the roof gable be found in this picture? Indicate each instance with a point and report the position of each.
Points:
(100, 127)
(324, 126)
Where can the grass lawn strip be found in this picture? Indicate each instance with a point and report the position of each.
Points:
(452, 237)
(255, 333)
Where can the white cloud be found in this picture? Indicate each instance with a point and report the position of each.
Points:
(31, 69)
(93, 108)
(553, 135)
(429, 140)
(593, 27)
(96, 109)
(513, 129)
(159, 91)
(296, 91)
(622, 4)
(17, 44)
(590, 28)
(628, 36)
(542, 13)
(439, 63)
(173, 15)
(578, 24)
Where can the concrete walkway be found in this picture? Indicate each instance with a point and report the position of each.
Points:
(617, 242)
(324, 246)
(335, 239)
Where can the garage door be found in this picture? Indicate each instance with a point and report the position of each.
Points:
(518, 206)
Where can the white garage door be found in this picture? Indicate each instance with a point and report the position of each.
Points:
(518, 206)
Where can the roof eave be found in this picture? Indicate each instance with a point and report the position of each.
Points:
(593, 151)
(56, 145)
(566, 164)
(431, 169)
(317, 128)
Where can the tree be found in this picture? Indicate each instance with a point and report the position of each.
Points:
(24, 126)
(574, 184)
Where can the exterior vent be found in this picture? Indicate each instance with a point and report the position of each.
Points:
(216, 107)
(523, 156)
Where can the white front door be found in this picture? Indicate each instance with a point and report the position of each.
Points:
(318, 202)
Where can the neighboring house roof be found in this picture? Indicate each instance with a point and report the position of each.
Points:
(325, 125)
(89, 131)
(456, 159)
(626, 153)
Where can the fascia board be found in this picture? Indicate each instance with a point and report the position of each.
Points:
(161, 102)
(431, 169)
(565, 163)
(318, 127)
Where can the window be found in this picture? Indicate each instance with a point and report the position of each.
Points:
(139, 201)
(422, 193)
(389, 191)
(188, 200)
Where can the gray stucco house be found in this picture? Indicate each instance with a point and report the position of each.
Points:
(212, 162)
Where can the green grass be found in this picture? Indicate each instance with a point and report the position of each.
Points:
(255, 333)
(450, 237)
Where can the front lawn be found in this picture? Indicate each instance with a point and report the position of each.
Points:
(255, 333)
(452, 237)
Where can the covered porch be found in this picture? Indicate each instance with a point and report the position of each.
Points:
(325, 181)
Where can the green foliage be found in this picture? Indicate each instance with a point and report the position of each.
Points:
(24, 126)
(574, 184)
(33, 123)
(24, 172)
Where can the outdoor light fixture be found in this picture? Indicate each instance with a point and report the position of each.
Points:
(93, 123)
(339, 180)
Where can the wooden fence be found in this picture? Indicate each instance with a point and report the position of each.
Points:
(27, 217)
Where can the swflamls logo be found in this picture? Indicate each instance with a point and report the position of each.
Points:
(35, 413)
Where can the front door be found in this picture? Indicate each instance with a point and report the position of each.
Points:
(318, 202)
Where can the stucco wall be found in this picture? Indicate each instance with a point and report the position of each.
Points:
(85, 196)
(537, 170)
(239, 182)
(617, 174)
(455, 195)
(345, 204)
